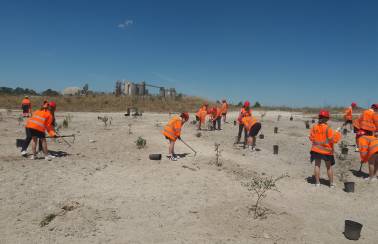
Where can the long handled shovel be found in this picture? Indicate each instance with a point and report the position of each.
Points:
(195, 152)
(69, 145)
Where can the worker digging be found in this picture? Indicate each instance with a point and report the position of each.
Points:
(172, 132)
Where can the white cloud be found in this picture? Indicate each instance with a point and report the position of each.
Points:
(125, 24)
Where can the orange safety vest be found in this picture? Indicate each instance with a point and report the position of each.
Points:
(368, 146)
(201, 114)
(375, 119)
(173, 129)
(323, 138)
(348, 114)
(26, 101)
(41, 120)
(224, 108)
(243, 113)
(249, 122)
(366, 120)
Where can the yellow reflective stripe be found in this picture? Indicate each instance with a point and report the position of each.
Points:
(39, 117)
(170, 133)
(323, 148)
(37, 122)
(373, 147)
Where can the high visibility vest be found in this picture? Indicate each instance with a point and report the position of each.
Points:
(243, 113)
(368, 146)
(224, 108)
(249, 122)
(348, 114)
(173, 129)
(375, 119)
(41, 120)
(366, 120)
(323, 138)
(26, 101)
(201, 114)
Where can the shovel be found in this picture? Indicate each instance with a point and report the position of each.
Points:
(195, 152)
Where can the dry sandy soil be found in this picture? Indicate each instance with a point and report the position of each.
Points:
(113, 193)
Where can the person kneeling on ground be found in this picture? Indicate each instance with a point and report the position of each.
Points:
(41, 121)
(323, 139)
(172, 132)
(368, 145)
(253, 127)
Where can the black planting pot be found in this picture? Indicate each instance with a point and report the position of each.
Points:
(345, 131)
(275, 149)
(20, 142)
(275, 130)
(352, 230)
(349, 186)
(261, 136)
(155, 156)
(344, 150)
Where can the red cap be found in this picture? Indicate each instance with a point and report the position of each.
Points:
(374, 106)
(247, 104)
(52, 104)
(354, 104)
(185, 116)
(324, 113)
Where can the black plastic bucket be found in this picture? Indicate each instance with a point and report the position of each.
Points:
(344, 150)
(261, 136)
(352, 230)
(234, 122)
(155, 156)
(20, 142)
(275, 130)
(291, 118)
(345, 132)
(275, 149)
(307, 124)
(349, 186)
(313, 121)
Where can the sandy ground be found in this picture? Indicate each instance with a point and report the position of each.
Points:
(115, 194)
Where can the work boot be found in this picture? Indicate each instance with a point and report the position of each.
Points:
(24, 153)
(33, 157)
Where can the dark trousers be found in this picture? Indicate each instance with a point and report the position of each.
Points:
(217, 122)
(28, 140)
(241, 128)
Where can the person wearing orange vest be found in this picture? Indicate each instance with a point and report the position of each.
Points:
(26, 107)
(224, 110)
(243, 112)
(368, 144)
(253, 127)
(368, 119)
(172, 132)
(216, 118)
(323, 139)
(348, 115)
(201, 115)
(40, 122)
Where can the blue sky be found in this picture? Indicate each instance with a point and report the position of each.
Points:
(296, 53)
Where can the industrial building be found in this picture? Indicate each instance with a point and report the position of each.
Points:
(129, 88)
